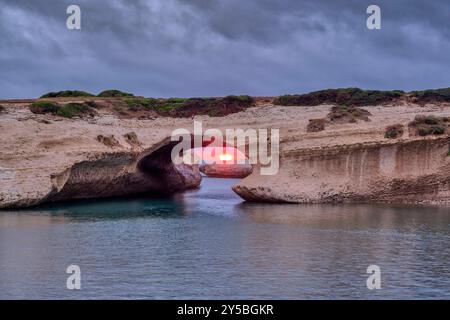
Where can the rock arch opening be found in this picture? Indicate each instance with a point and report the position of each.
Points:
(147, 172)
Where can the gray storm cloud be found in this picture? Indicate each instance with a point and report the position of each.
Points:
(211, 47)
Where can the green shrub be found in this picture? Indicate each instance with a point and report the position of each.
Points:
(428, 125)
(140, 103)
(114, 93)
(239, 99)
(373, 97)
(67, 93)
(359, 97)
(42, 107)
(187, 107)
(430, 130)
(316, 125)
(167, 106)
(431, 120)
(346, 114)
(347, 96)
(68, 110)
(164, 106)
(71, 110)
(437, 129)
(287, 100)
(430, 96)
(176, 100)
(395, 131)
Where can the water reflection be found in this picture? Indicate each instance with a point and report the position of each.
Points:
(207, 243)
(351, 216)
(16, 220)
(95, 210)
(334, 244)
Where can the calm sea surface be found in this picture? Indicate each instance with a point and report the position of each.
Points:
(208, 244)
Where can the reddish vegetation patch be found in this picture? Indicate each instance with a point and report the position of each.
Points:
(260, 101)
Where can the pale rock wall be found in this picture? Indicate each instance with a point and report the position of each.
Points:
(406, 171)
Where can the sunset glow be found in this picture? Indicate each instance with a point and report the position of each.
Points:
(225, 157)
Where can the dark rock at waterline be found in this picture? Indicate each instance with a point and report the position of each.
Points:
(226, 170)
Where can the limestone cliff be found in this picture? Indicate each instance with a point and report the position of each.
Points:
(48, 158)
(402, 171)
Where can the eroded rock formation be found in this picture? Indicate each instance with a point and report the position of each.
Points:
(105, 175)
(404, 171)
(74, 159)
(123, 174)
(44, 157)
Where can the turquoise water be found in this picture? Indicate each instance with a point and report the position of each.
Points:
(208, 244)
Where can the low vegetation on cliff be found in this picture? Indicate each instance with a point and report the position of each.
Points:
(128, 104)
(42, 107)
(359, 97)
(114, 94)
(394, 131)
(347, 114)
(2, 108)
(67, 94)
(338, 114)
(109, 141)
(132, 139)
(316, 125)
(431, 96)
(346, 96)
(347, 104)
(341, 96)
(69, 110)
(428, 125)
(187, 107)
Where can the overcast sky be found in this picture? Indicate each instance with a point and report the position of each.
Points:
(190, 48)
